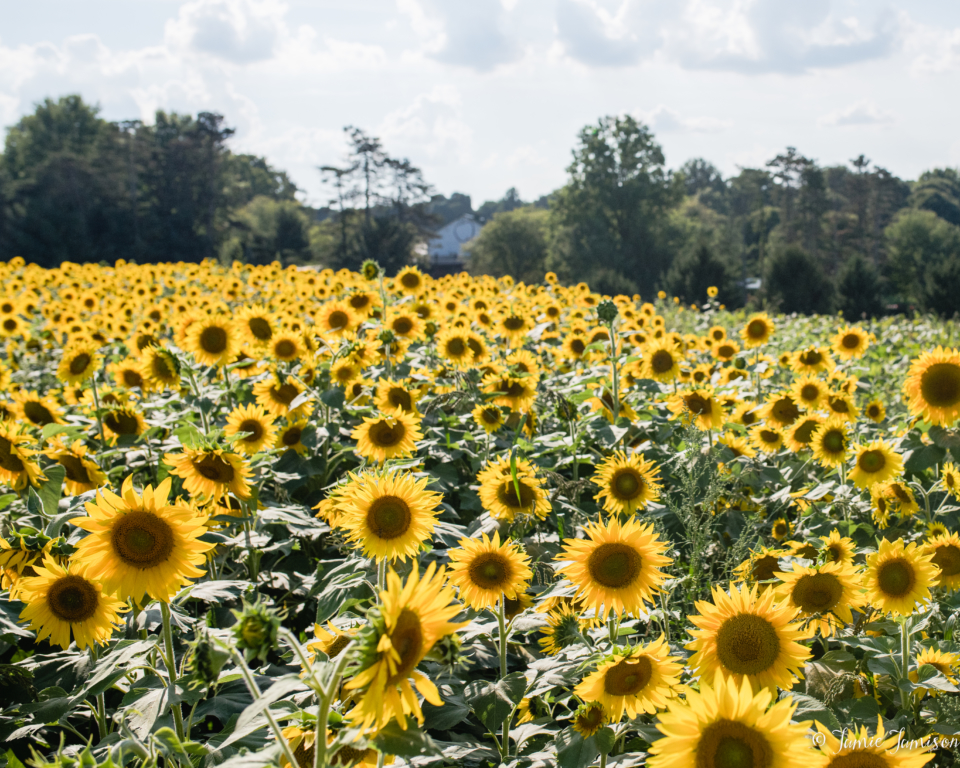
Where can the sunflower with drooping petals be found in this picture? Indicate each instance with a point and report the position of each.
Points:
(17, 562)
(617, 567)
(824, 595)
(748, 636)
(330, 640)
(140, 544)
(388, 436)
(159, 368)
(589, 718)
(945, 555)
(277, 395)
(627, 483)
(123, 421)
(411, 618)
(728, 725)
(61, 603)
(760, 568)
(701, 405)
(898, 576)
(564, 628)
(38, 410)
(485, 571)
(932, 387)
(633, 681)
(812, 361)
(389, 516)
(875, 463)
(210, 473)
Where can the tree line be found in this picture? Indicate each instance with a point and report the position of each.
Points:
(792, 235)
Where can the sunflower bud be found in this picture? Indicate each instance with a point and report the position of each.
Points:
(370, 270)
(447, 653)
(607, 311)
(739, 363)
(566, 410)
(387, 336)
(206, 661)
(256, 630)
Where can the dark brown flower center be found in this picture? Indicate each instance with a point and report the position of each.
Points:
(389, 517)
(747, 644)
(72, 598)
(142, 539)
(614, 565)
(213, 340)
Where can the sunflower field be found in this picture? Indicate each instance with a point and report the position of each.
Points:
(255, 516)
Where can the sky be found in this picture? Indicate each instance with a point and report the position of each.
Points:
(484, 95)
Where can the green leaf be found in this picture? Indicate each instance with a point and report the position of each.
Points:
(493, 702)
(809, 708)
(411, 742)
(605, 738)
(333, 398)
(50, 491)
(7, 499)
(453, 712)
(574, 751)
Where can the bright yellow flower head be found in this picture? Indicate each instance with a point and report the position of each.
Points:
(485, 570)
(899, 576)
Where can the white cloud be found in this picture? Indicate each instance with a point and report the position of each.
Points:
(432, 127)
(861, 113)
(663, 119)
(239, 31)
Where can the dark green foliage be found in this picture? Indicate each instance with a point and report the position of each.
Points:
(938, 191)
(858, 290)
(795, 282)
(698, 269)
(942, 287)
(514, 243)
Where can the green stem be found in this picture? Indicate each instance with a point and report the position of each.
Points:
(327, 695)
(612, 628)
(101, 710)
(171, 661)
(613, 372)
(381, 578)
(666, 619)
(502, 621)
(96, 405)
(196, 394)
(904, 661)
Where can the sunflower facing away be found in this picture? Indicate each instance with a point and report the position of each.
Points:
(617, 567)
(589, 718)
(825, 595)
(564, 628)
(945, 551)
(748, 636)
(139, 544)
(485, 570)
(60, 603)
(932, 387)
(390, 515)
(898, 577)
(389, 436)
(329, 640)
(627, 483)
(633, 681)
(875, 463)
(411, 617)
(727, 725)
(211, 473)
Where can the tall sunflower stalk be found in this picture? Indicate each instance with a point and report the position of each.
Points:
(607, 313)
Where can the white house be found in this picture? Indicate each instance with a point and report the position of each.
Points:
(446, 249)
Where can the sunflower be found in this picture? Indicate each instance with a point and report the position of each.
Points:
(661, 361)
(80, 361)
(60, 603)
(453, 345)
(900, 496)
(831, 442)
(289, 437)
(633, 681)
(159, 368)
(748, 636)
(407, 325)
(506, 497)
(944, 663)
(329, 640)
(485, 571)
(17, 467)
(851, 342)
(258, 425)
(627, 483)
(589, 718)
(809, 392)
(276, 396)
(701, 405)
(210, 473)
(36, 409)
(386, 437)
(839, 549)
(932, 386)
(409, 280)
(388, 516)
(513, 326)
(945, 554)
(737, 444)
(139, 544)
(875, 411)
(19, 562)
(126, 373)
(617, 567)
(82, 474)
(950, 477)
(411, 618)
(213, 340)
(824, 595)
(725, 350)
(899, 576)
(800, 434)
(391, 394)
(489, 417)
(812, 361)
(728, 725)
(780, 410)
(781, 528)
(257, 324)
(515, 393)
(747, 413)
(286, 347)
(760, 568)
(875, 463)
(564, 628)
(336, 318)
(857, 748)
(768, 439)
(602, 401)
(123, 422)
(757, 331)
(842, 405)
